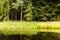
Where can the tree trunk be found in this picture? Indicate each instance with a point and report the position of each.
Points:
(21, 13)
(8, 11)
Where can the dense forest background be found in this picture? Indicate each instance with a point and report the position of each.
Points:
(30, 10)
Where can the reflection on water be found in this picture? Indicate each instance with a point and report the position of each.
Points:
(38, 36)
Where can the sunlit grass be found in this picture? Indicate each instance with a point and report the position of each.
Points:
(14, 27)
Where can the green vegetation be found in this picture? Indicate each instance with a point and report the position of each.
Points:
(16, 30)
(31, 13)
(28, 28)
(4, 9)
(30, 10)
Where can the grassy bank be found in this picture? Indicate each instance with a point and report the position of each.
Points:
(28, 28)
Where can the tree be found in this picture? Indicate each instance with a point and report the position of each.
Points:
(32, 10)
(4, 7)
(28, 11)
(19, 3)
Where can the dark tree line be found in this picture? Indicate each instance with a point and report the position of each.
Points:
(31, 10)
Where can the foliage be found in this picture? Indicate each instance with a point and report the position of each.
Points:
(17, 4)
(4, 9)
(33, 10)
(46, 10)
(28, 12)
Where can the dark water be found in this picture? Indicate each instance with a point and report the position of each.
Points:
(38, 36)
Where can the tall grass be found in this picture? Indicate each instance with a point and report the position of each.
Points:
(29, 28)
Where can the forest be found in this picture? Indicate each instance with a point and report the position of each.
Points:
(29, 19)
(30, 10)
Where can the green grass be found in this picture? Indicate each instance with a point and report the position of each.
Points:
(18, 27)
(28, 28)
